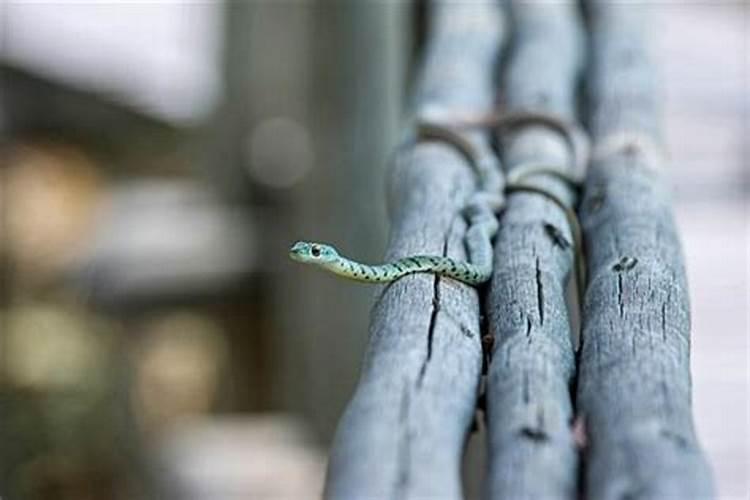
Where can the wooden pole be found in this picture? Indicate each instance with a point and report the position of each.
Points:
(634, 384)
(403, 433)
(529, 410)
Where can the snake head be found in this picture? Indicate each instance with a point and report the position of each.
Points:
(315, 253)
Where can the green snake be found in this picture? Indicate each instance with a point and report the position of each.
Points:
(480, 212)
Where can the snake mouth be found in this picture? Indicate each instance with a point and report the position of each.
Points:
(297, 252)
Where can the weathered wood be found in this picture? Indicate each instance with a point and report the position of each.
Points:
(634, 383)
(403, 433)
(532, 453)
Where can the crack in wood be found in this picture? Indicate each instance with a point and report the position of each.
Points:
(536, 435)
(465, 331)
(435, 310)
(537, 432)
(430, 329)
(557, 236)
(539, 293)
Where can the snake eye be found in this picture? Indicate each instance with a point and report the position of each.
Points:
(315, 251)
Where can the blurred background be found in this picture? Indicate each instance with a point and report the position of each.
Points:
(156, 161)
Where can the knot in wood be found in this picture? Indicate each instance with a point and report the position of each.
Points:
(626, 263)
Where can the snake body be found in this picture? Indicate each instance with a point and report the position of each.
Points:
(328, 258)
(480, 212)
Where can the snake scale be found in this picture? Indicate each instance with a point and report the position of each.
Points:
(480, 212)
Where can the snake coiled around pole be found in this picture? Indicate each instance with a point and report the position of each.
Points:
(480, 211)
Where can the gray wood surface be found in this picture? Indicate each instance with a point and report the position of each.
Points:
(702, 52)
(403, 433)
(532, 453)
(634, 384)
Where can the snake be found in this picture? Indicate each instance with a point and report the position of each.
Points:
(480, 211)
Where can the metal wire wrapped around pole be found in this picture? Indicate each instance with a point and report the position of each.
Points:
(532, 453)
(403, 433)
